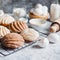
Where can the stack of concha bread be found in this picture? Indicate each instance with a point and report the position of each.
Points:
(14, 33)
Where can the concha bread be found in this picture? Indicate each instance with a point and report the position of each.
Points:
(12, 40)
(17, 26)
(3, 31)
(30, 34)
(6, 19)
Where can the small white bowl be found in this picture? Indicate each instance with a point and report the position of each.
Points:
(40, 26)
(37, 22)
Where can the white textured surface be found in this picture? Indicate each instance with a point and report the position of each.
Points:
(52, 52)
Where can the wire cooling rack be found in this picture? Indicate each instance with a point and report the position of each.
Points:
(6, 52)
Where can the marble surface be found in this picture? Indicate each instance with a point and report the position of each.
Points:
(33, 52)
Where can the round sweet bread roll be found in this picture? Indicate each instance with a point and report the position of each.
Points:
(17, 26)
(12, 41)
(3, 31)
(6, 19)
(30, 35)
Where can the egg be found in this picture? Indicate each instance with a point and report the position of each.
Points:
(44, 42)
(53, 37)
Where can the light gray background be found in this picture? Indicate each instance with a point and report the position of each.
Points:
(7, 5)
(52, 52)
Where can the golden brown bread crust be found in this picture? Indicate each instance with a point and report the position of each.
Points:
(40, 17)
(12, 40)
(17, 26)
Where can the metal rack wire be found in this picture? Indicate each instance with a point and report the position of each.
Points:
(6, 52)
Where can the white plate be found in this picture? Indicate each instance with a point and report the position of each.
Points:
(42, 28)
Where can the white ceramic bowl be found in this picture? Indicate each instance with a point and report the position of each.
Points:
(37, 22)
(38, 25)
